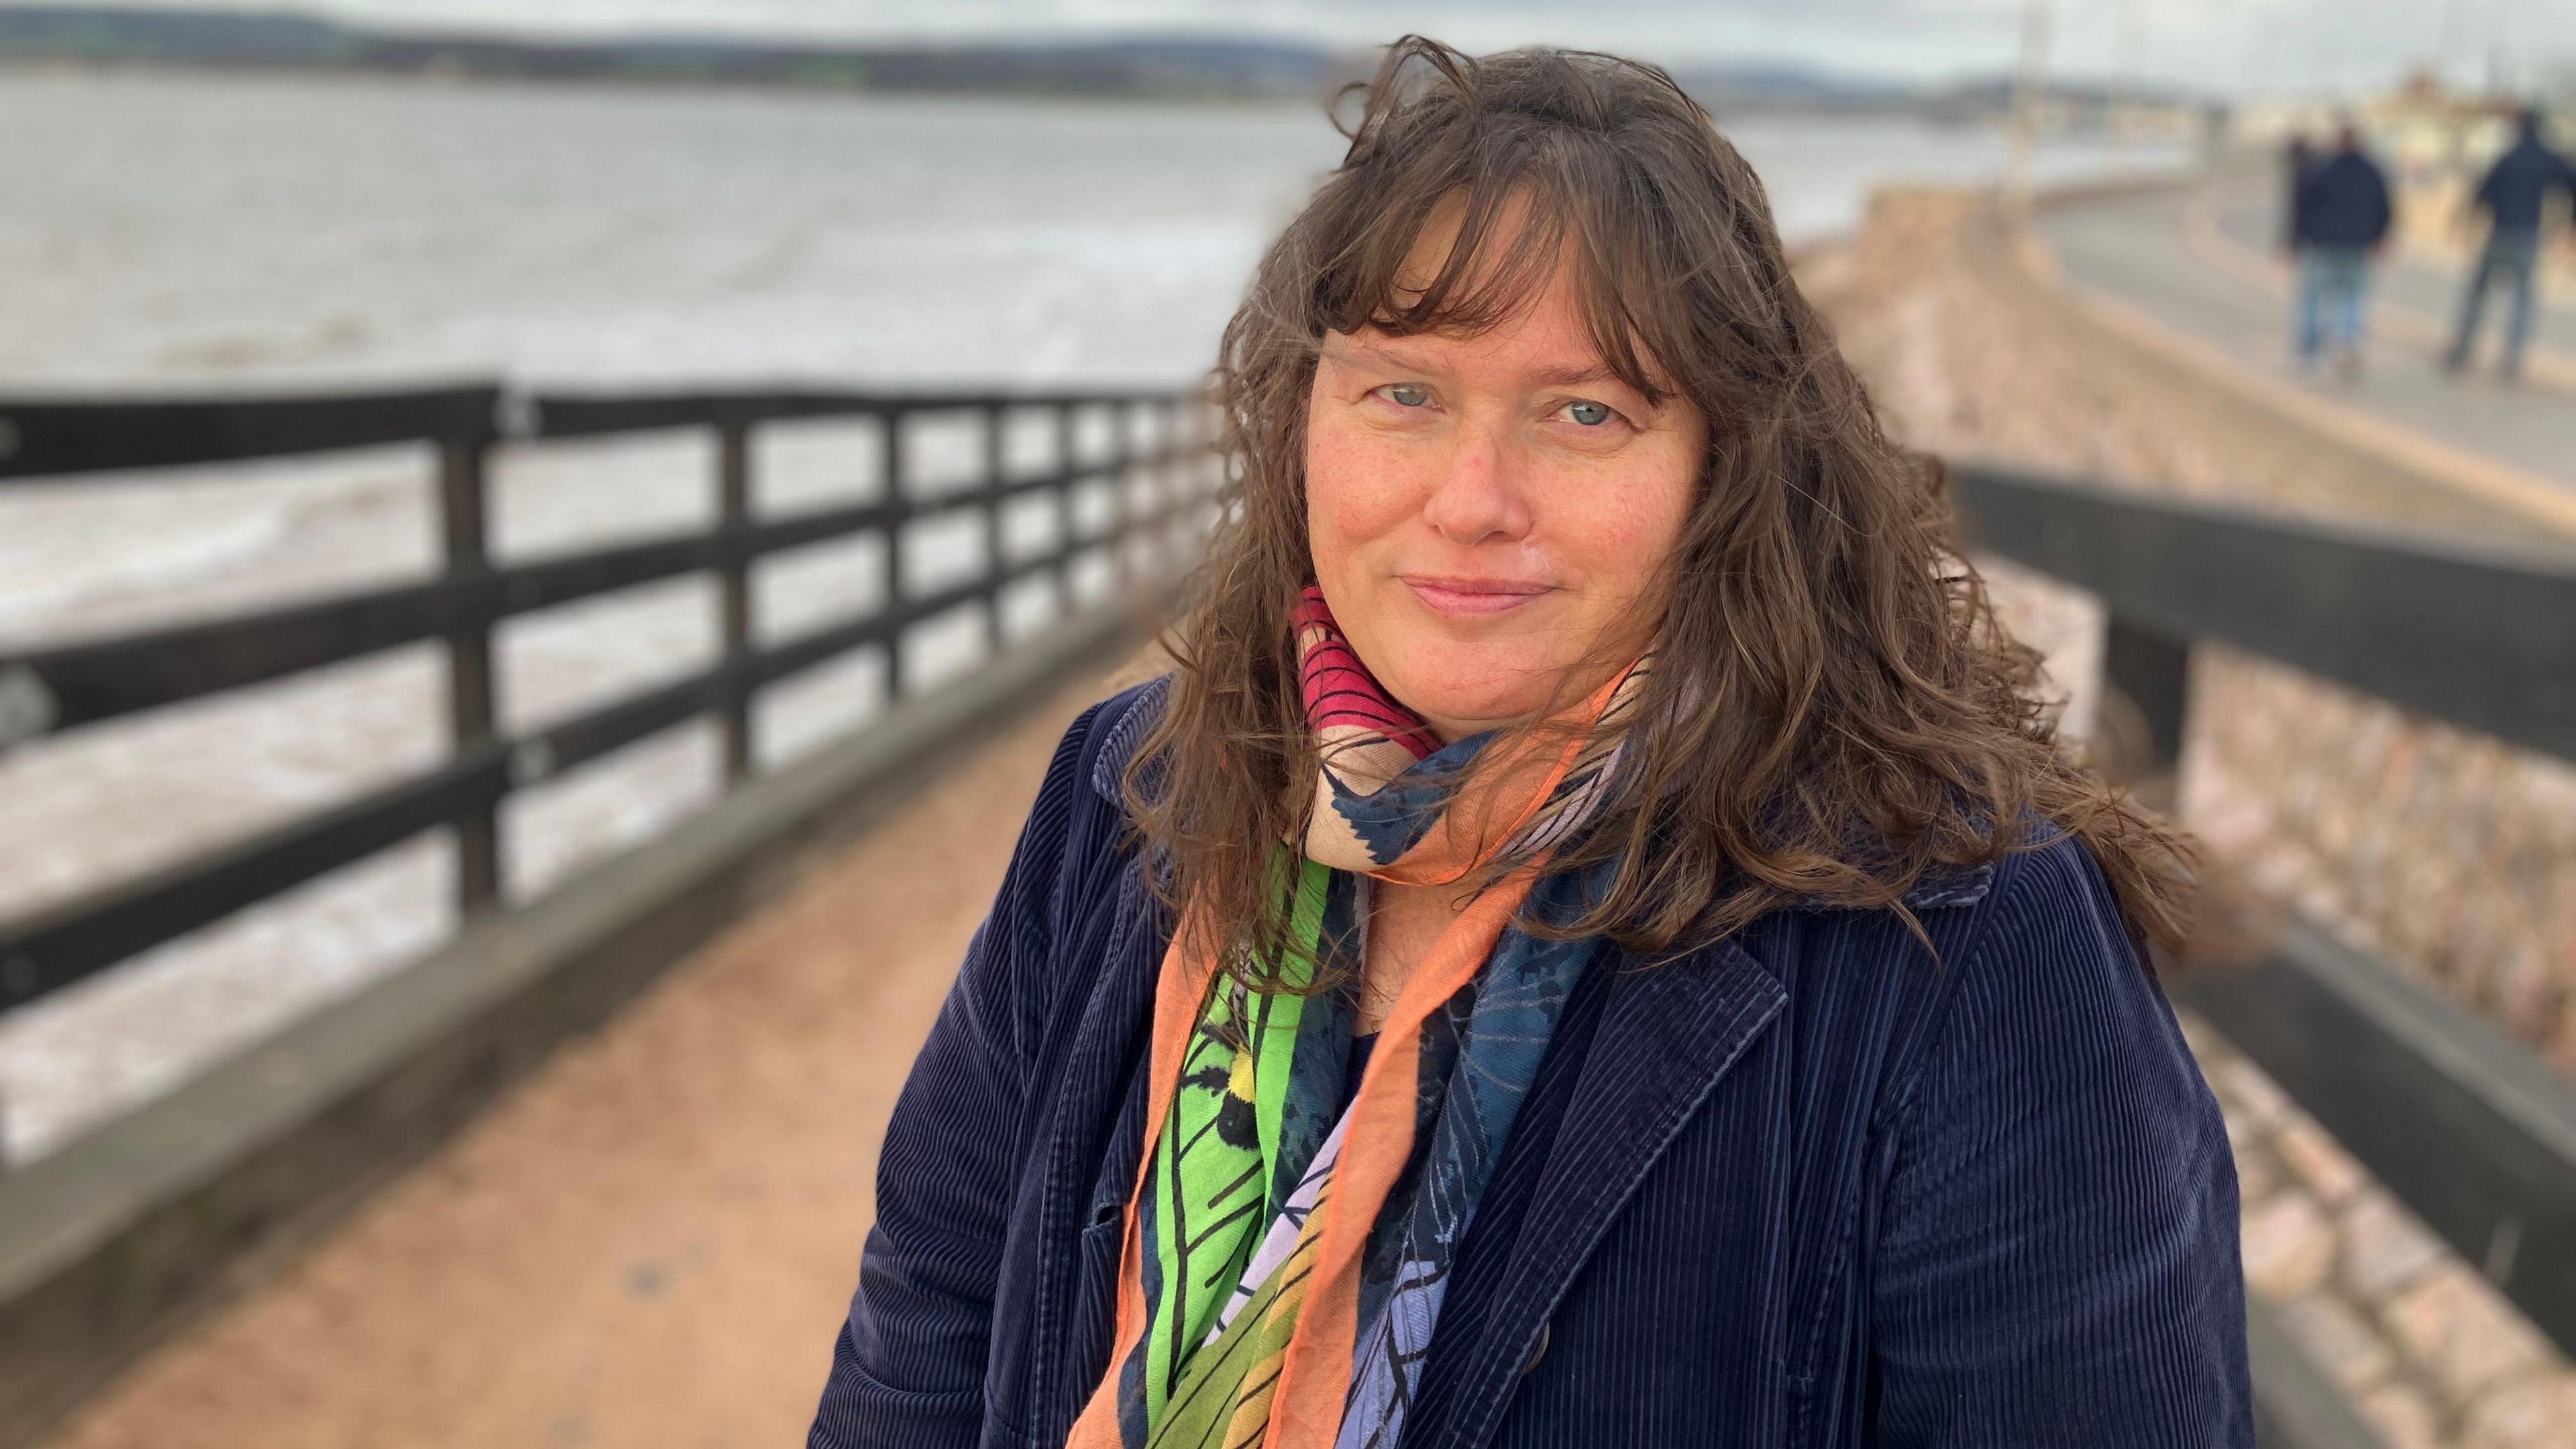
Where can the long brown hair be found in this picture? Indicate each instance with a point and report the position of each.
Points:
(1834, 710)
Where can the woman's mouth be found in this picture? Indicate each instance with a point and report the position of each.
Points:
(1459, 597)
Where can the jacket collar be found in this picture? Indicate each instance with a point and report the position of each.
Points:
(1142, 710)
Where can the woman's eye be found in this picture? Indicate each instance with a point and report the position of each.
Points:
(1408, 395)
(1589, 414)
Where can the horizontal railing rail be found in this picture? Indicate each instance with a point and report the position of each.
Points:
(579, 415)
(59, 439)
(54, 688)
(2477, 634)
(100, 679)
(2468, 1126)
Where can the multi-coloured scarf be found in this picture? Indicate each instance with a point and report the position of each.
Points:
(1286, 1257)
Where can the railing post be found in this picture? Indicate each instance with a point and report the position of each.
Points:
(1205, 473)
(2147, 679)
(462, 496)
(733, 523)
(1207, 429)
(1122, 509)
(995, 449)
(1173, 472)
(899, 512)
(1068, 453)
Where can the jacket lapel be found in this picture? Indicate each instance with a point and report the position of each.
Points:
(1667, 1036)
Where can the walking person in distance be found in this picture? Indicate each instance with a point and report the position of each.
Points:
(2515, 196)
(2345, 208)
(1591, 944)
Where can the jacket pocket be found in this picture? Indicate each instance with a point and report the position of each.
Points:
(1797, 1408)
(1091, 1327)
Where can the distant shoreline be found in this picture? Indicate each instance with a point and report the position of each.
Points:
(1172, 68)
(1725, 112)
(1175, 66)
(22, 65)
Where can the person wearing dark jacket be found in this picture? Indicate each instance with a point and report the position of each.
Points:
(2515, 197)
(2343, 211)
(1587, 945)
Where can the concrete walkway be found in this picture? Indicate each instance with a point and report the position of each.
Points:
(2192, 261)
(652, 1241)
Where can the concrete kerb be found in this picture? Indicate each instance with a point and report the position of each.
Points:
(127, 1234)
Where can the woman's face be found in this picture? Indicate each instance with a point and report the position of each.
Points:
(1490, 515)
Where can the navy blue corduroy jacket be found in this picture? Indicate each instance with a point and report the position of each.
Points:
(1803, 1188)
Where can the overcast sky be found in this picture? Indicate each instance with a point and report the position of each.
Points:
(2221, 45)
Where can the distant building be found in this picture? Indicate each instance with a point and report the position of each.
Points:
(2427, 131)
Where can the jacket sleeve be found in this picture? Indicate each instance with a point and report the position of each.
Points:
(2488, 188)
(908, 1369)
(2057, 1260)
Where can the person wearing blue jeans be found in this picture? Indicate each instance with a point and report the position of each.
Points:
(2334, 290)
(2514, 195)
(2341, 216)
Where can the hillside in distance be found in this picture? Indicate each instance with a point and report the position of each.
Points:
(1178, 67)
(1146, 66)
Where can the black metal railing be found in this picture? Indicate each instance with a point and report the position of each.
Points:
(2465, 1124)
(51, 689)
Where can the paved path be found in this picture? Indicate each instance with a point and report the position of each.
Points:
(651, 1242)
(2186, 260)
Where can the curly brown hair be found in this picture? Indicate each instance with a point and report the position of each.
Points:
(1834, 709)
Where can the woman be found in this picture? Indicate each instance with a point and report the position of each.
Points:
(1590, 945)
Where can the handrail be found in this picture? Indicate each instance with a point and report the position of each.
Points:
(59, 439)
(2466, 1125)
(59, 687)
(585, 414)
(2475, 633)
(99, 679)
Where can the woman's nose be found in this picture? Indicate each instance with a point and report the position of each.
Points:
(1478, 499)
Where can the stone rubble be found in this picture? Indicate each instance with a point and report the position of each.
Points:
(2432, 1355)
